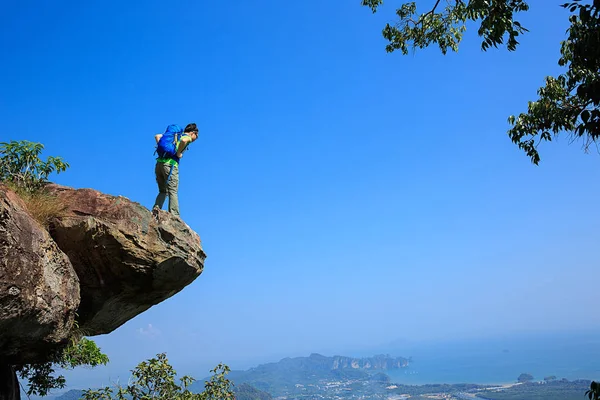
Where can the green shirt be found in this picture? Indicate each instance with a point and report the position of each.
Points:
(169, 161)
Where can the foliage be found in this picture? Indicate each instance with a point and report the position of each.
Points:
(82, 352)
(24, 172)
(594, 392)
(21, 165)
(446, 27)
(568, 103)
(40, 378)
(218, 387)
(155, 379)
(79, 352)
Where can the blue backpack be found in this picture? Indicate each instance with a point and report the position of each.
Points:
(167, 145)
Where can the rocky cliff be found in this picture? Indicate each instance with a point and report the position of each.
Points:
(318, 362)
(379, 361)
(104, 259)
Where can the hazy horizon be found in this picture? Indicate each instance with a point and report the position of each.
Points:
(569, 354)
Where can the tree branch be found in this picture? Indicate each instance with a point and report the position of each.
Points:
(424, 16)
(433, 9)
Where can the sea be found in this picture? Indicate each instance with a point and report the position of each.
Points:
(500, 360)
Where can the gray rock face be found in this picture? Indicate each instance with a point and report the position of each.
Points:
(39, 290)
(125, 260)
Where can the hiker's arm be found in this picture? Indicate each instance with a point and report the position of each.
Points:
(157, 137)
(182, 145)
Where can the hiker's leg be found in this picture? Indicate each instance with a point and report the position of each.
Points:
(161, 178)
(172, 188)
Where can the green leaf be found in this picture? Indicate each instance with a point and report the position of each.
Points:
(585, 115)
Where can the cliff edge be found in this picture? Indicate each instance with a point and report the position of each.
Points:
(103, 260)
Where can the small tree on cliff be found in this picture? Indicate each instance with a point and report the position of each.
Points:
(569, 103)
(21, 165)
(22, 169)
(155, 379)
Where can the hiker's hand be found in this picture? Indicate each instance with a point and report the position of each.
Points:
(179, 155)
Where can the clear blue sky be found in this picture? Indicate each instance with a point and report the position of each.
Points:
(345, 197)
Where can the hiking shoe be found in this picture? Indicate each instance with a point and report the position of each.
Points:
(155, 210)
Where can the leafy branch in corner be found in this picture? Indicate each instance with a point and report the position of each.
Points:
(569, 103)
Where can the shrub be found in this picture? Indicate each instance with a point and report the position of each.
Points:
(22, 169)
(155, 379)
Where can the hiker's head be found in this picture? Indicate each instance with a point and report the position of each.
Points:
(192, 131)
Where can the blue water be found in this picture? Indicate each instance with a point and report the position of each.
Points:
(501, 361)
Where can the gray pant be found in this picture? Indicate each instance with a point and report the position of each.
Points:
(167, 188)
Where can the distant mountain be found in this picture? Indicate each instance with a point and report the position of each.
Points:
(318, 362)
(73, 394)
(292, 375)
(247, 392)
